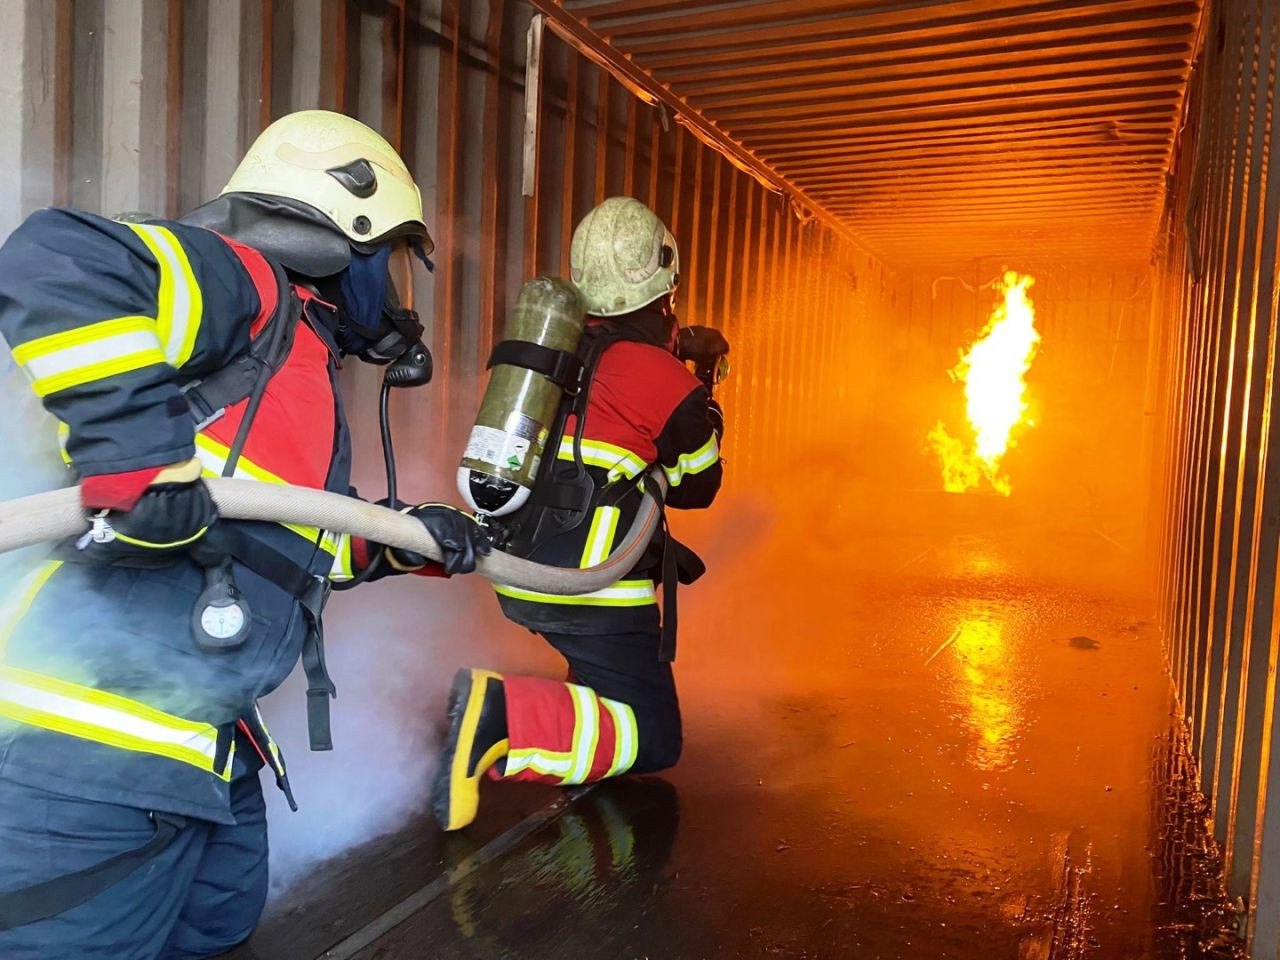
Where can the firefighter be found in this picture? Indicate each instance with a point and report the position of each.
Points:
(619, 711)
(131, 814)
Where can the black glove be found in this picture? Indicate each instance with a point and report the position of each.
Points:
(701, 344)
(705, 348)
(166, 522)
(460, 537)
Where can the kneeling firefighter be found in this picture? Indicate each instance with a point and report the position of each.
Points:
(637, 406)
(131, 815)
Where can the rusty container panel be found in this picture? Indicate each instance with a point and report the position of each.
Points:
(130, 107)
(1213, 327)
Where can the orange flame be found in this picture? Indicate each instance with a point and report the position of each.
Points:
(993, 372)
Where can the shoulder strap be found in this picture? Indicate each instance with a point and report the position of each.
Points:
(563, 369)
(210, 396)
(557, 503)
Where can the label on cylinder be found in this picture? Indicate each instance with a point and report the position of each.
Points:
(504, 448)
(526, 428)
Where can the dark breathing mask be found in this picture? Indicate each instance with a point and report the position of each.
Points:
(378, 323)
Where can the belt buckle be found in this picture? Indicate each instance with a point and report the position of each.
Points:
(317, 596)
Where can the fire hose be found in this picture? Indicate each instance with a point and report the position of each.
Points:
(58, 515)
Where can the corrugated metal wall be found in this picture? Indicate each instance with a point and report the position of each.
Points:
(126, 105)
(940, 129)
(1215, 314)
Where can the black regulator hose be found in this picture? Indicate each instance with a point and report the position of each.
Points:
(388, 449)
(389, 461)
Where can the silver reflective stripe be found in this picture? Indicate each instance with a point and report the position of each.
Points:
(688, 464)
(107, 718)
(586, 732)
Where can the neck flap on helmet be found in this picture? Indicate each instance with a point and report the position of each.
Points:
(298, 237)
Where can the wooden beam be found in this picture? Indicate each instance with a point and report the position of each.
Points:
(493, 176)
(173, 110)
(63, 98)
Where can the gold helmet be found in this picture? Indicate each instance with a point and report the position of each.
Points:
(340, 167)
(623, 257)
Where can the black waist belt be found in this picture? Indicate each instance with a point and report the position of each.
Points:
(52, 897)
(311, 592)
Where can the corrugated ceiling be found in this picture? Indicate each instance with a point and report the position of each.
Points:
(937, 130)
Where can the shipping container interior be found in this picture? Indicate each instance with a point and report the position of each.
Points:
(1031, 719)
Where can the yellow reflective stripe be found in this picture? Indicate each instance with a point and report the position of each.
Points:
(213, 456)
(86, 354)
(18, 604)
(705, 457)
(106, 718)
(162, 546)
(180, 305)
(622, 838)
(336, 543)
(626, 740)
(86, 336)
(544, 762)
(624, 593)
(276, 757)
(341, 568)
(619, 461)
(586, 732)
(64, 435)
(600, 538)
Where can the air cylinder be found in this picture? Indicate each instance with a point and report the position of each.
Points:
(519, 408)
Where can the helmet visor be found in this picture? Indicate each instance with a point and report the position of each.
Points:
(400, 275)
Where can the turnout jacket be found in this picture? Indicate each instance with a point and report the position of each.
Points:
(103, 691)
(645, 408)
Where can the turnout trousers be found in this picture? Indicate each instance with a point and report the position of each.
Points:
(617, 713)
(199, 896)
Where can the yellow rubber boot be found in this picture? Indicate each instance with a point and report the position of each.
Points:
(477, 740)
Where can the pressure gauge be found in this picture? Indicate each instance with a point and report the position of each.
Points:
(223, 623)
(221, 618)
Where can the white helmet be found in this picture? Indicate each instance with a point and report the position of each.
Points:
(341, 168)
(623, 257)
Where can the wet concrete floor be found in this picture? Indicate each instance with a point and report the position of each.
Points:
(952, 743)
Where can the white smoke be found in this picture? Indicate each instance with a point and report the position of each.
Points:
(29, 438)
(392, 649)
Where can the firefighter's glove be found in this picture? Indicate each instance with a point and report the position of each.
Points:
(167, 518)
(708, 350)
(461, 540)
(701, 344)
